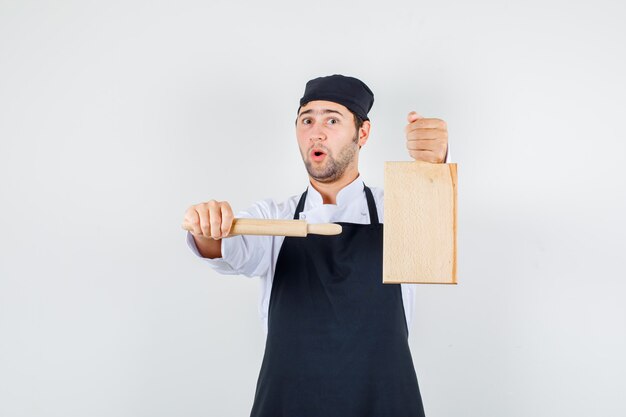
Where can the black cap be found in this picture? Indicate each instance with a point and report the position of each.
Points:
(348, 91)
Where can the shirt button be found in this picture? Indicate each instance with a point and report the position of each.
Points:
(302, 216)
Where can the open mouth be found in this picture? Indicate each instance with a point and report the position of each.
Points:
(317, 155)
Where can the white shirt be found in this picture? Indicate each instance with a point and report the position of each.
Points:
(256, 256)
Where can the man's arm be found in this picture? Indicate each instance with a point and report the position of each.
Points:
(249, 255)
(208, 248)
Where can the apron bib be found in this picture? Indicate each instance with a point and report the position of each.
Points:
(337, 342)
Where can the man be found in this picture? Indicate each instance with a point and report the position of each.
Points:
(337, 341)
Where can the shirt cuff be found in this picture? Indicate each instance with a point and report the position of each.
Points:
(220, 264)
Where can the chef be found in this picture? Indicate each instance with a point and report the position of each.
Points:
(337, 337)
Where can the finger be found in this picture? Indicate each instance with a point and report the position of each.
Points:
(215, 219)
(192, 222)
(413, 116)
(438, 149)
(187, 226)
(431, 134)
(423, 155)
(422, 144)
(431, 123)
(435, 153)
(203, 214)
(227, 218)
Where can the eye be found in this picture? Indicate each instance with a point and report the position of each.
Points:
(306, 121)
(333, 121)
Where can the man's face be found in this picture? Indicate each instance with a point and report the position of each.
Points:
(328, 139)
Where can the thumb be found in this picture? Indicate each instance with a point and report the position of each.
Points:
(413, 116)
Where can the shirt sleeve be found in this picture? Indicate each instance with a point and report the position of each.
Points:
(248, 255)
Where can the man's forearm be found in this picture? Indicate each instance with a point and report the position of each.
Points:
(209, 248)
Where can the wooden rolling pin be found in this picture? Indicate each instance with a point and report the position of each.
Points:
(297, 228)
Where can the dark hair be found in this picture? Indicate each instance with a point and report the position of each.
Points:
(358, 122)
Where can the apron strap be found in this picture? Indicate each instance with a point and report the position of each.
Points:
(371, 205)
(300, 205)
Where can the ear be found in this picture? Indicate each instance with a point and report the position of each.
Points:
(364, 132)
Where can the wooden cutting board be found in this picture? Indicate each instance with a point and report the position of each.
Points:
(420, 223)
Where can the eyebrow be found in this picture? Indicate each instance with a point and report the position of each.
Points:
(324, 111)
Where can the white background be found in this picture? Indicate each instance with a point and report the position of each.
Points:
(116, 116)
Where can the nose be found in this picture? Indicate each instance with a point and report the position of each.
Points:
(317, 133)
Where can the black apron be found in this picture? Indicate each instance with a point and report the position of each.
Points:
(337, 342)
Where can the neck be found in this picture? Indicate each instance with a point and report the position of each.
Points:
(329, 191)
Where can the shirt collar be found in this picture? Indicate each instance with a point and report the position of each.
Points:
(344, 196)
